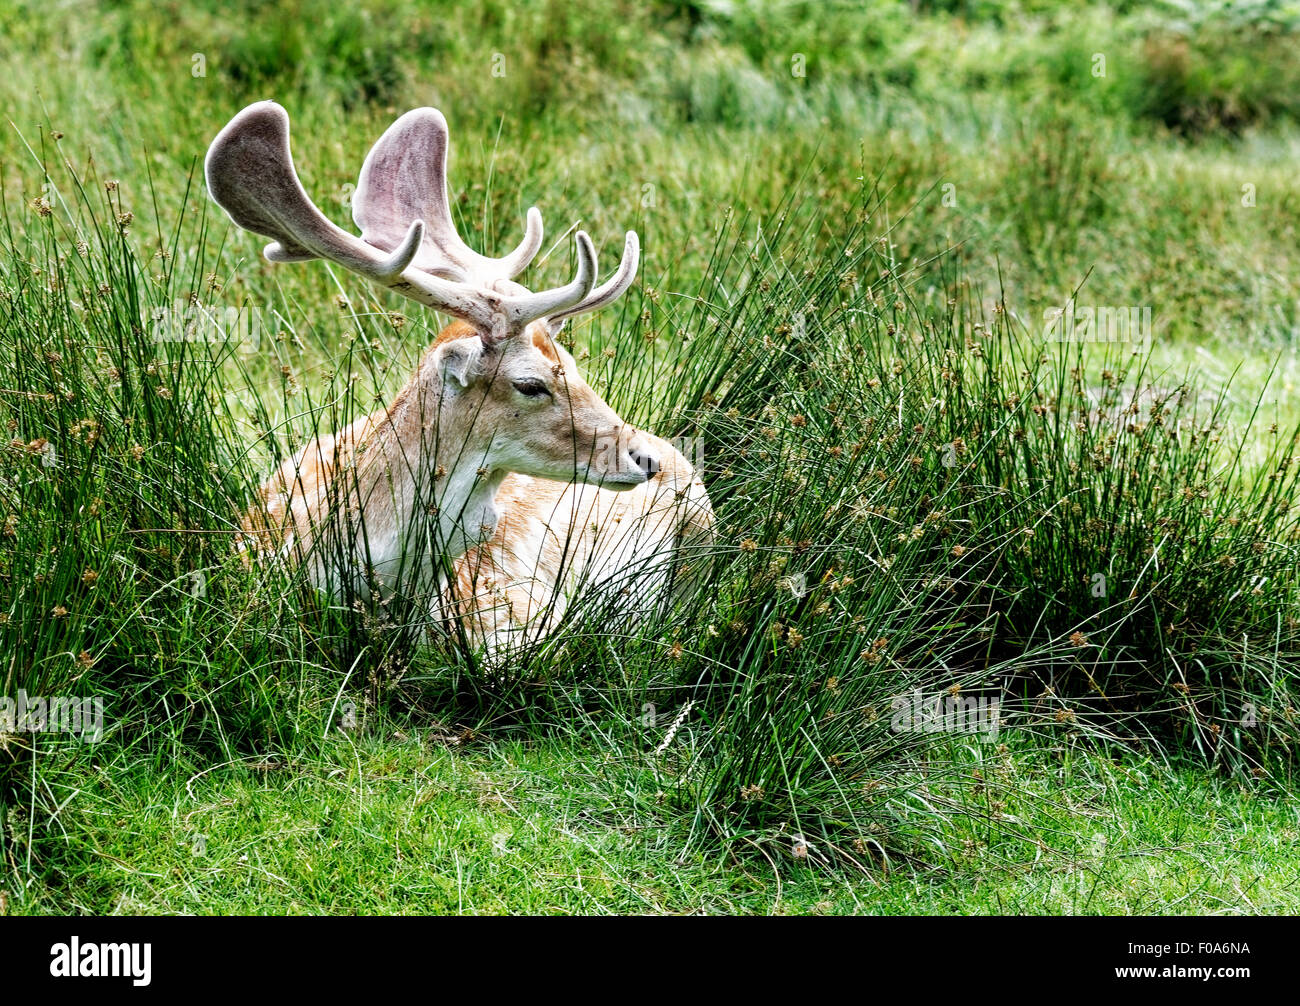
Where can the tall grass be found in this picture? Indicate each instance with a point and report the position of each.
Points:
(915, 491)
(911, 495)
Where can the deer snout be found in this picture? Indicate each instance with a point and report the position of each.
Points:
(645, 460)
(623, 459)
(641, 456)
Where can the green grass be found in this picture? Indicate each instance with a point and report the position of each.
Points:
(417, 822)
(844, 294)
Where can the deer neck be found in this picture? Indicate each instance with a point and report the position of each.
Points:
(435, 457)
(467, 511)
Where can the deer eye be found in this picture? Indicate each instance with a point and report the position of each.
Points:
(531, 388)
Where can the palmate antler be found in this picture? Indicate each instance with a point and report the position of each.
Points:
(408, 241)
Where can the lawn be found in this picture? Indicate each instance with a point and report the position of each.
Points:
(864, 228)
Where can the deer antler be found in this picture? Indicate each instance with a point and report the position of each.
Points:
(404, 178)
(607, 292)
(409, 243)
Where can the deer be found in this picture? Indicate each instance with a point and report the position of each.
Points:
(496, 472)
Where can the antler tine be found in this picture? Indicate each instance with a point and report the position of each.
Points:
(524, 308)
(517, 261)
(250, 174)
(404, 177)
(611, 289)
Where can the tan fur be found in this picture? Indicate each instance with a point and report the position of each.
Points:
(296, 494)
(538, 540)
(556, 540)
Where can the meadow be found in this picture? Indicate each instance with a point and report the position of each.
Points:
(872, 233)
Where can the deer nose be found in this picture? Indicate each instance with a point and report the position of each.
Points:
(646, 460)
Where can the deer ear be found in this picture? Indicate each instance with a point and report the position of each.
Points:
(457, 358)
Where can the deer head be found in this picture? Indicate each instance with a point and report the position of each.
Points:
(495, 379)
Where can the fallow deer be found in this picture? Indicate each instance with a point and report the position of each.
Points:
(496, 455)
